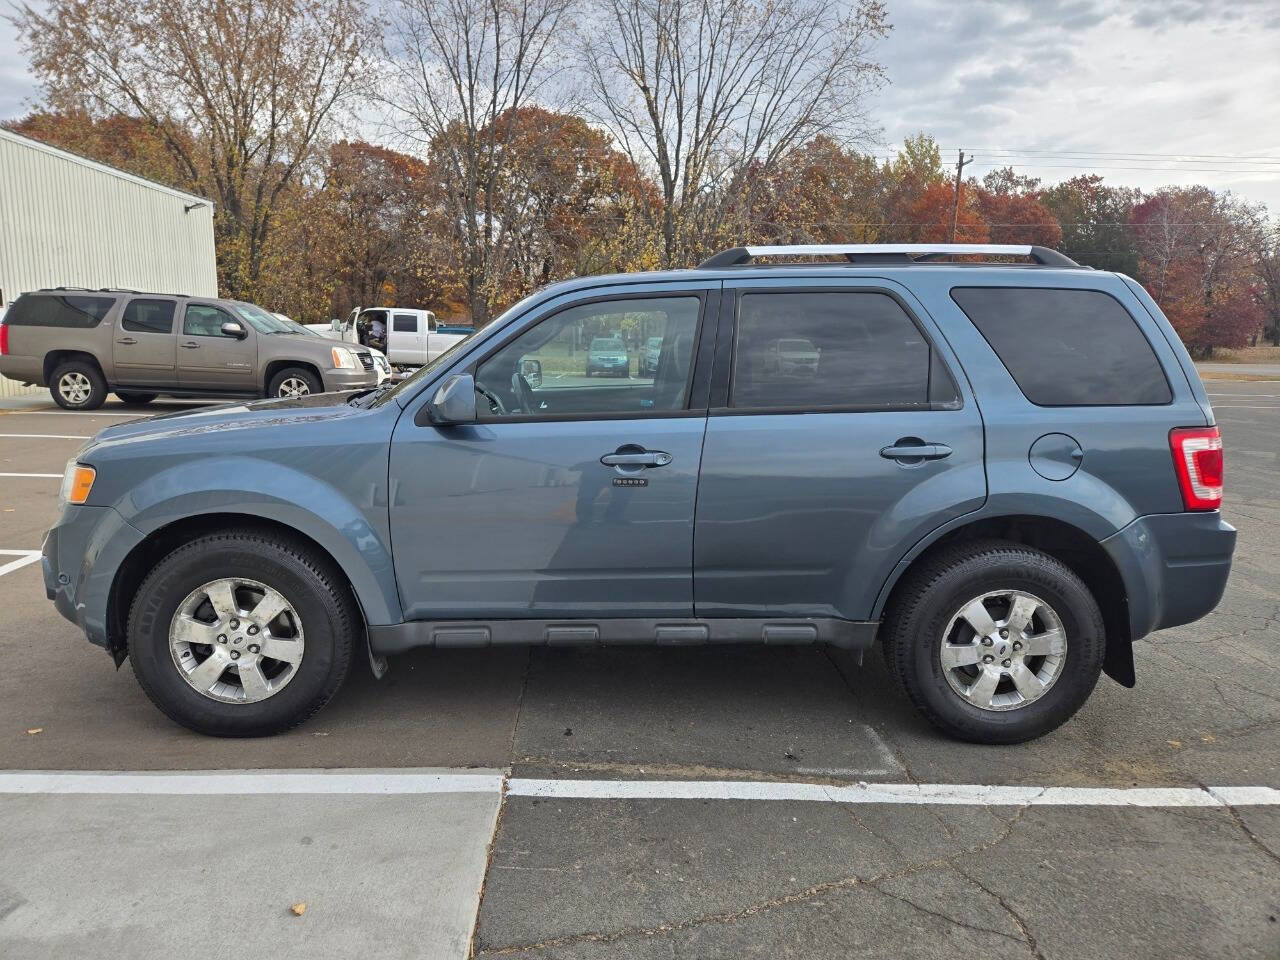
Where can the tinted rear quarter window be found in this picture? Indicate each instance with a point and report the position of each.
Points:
(1067, 348)
(63, 310)
(148, 316)
(834, 349)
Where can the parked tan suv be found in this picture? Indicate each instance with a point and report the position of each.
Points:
(84, 344)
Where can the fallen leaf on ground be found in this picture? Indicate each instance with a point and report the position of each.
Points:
(1174, 743)
(298, 909)
(36, 730)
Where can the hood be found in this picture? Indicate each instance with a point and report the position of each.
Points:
(235, 416)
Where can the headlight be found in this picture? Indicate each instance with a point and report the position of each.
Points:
(77, 481)
(345, 359)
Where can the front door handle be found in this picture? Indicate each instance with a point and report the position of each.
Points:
(915, 452)
(128, 341)
(647, 458)
(190, 346)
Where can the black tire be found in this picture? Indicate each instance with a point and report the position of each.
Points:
(93, 384)
(921, 610)
(139, 399)
(299, 373)
(312, 585)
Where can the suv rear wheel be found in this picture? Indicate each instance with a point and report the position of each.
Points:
(294, 382)
(995, 642)
(242, 634)
(78, 385)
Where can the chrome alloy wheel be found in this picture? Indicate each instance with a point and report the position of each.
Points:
(293, 387)
(1003, 650)
(236, 640)
(74, 387)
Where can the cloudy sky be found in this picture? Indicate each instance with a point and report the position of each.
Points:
(1143, 92)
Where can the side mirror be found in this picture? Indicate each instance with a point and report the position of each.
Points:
(531, 370)
(454, 402)
(233, 328)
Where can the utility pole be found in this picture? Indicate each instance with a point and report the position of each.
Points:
(955, 210)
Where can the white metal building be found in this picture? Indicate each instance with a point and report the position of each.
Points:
(68, 221)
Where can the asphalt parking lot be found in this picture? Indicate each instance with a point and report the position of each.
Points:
(459, 814)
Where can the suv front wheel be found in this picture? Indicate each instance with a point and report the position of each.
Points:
(995, 642)
(241, 634)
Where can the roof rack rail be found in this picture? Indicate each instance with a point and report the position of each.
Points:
(903, 253)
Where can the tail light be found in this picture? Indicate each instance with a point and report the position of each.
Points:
(4, 338)
(1197, 459)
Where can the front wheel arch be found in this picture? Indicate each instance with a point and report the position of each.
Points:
(161, 542)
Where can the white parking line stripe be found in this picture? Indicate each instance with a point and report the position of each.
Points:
(24, 557)
(868, 793)
(71, 413)
(48, 436)
(422, 782)
(54, 475)
(244, 782)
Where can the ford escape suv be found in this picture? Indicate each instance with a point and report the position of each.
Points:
(1000, 473)
(84, 344)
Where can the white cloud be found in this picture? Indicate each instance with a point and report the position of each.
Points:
(1162, 77)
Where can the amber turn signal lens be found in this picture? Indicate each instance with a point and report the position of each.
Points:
(81, 484)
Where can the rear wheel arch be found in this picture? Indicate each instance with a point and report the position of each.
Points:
(56, 358)
(1073, 547)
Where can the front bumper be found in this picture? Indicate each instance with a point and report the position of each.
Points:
(1174, 565)
(80, 557)
(335, 380)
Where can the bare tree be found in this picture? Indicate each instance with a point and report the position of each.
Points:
(241, 91)
(462, 67)
(705, 93)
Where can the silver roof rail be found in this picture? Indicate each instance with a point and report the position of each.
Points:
(890, 253)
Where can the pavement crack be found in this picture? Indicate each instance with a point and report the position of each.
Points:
(889, 741)
(773, 903)
(1018, 920)
(947, 917)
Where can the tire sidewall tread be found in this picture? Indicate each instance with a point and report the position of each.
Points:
(922, 607)
(330, 621)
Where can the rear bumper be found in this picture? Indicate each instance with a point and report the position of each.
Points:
(23, 369)
(81, 555)
(1174, 565)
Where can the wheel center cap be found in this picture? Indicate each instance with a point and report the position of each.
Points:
(1002, 648)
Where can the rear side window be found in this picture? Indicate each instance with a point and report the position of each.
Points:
(834, 349)
(69, 310)
(1067, 348)
(404, 323)
(149, 316)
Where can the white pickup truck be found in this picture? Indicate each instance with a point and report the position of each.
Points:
(414, 337)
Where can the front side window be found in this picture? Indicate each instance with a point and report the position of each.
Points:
(1067, 347)
(149, 316)
(592, 359)
(202, 320)
(813, 350)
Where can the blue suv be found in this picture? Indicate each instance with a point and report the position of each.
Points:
(1001, 473)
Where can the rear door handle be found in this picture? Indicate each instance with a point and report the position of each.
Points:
(129, 341)
(649, 458)
(190, 346)
(915, 451)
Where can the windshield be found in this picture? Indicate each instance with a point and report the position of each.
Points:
(600, 343)
(264, 322)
